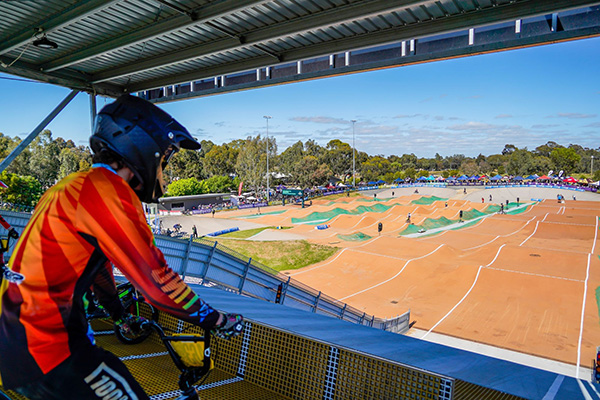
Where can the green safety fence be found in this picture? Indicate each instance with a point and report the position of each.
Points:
(261, 214)
(410, 230)
(466, 225)
(426, 200)
(473, 213)
(517, 211)
(322, 216)
(355, 237)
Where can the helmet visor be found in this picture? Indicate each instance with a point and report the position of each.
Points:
(171, 150)
(160, 185)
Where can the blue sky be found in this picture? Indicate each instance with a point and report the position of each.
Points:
(465, 106)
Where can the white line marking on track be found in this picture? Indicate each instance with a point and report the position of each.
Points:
(457, 304)
(466, 294)
(593, 388)
(587, 276)
(481, 245)
(595, 237)
(551, 393)
(545, 216)
(336, 257)
(393, 277)
(540, 275)
(584, 391)
(534, 231)
(507, 235)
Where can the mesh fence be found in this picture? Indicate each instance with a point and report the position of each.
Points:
(210, 263)
(322, 216)
(355, 237)
(425, 200)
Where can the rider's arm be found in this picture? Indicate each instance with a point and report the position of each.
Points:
(106, 292)
(113, 217)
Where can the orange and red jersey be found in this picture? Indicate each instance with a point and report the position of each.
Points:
(82, 222)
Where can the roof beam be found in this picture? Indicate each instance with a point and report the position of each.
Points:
(338, 15)
(65, 17)
(423, 29)
(149, 32)
(64, 78)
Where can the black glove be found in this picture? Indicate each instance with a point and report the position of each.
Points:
(231, 326)
(130, 323)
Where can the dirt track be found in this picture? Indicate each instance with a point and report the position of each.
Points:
(510, 281)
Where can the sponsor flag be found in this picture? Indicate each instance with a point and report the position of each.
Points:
(3, 185)
(240, 188)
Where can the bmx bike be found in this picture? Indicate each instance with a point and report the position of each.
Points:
(133, 303)
(190, 353)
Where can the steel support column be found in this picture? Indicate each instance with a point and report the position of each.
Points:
(6, 162)
(93, 111)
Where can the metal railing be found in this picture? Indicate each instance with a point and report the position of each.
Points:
(213, 264)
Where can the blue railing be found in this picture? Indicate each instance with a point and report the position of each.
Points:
(212, 264)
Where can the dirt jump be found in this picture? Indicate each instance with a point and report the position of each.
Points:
(524, 281)
(522, 277)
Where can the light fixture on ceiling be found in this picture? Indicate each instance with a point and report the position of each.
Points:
(45, 43)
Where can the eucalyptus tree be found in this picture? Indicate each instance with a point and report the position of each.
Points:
(220, 160)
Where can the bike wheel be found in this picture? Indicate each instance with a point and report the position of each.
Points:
(139, 308)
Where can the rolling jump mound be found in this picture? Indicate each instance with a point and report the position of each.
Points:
(511, 281)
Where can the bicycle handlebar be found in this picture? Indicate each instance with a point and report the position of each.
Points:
(193, 373)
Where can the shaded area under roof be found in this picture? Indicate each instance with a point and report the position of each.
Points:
(172, 49)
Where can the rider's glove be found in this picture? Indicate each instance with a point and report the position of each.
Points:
(130, 323)
(231, 326)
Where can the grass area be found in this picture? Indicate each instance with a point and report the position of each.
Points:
(245, 234)
(281, 255)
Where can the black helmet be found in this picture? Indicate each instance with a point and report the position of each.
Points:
(145, 137)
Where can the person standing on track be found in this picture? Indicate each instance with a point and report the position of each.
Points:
(79, 225)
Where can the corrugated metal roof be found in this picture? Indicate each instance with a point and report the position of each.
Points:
(117, 46)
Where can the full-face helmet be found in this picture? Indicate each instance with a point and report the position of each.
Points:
(145, 137)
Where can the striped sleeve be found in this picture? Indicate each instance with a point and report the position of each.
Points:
(111, 212)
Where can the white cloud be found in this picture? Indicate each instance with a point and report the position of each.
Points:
(572, 115)
(399, 116)
(321, 120)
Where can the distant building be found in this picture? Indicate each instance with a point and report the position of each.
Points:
(193, 202)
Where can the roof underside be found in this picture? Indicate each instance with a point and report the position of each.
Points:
(170, 49)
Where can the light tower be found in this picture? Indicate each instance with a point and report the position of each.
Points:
(353, 157)
(267, 117)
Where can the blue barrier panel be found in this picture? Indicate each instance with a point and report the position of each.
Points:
(224, 231)
(321, 227)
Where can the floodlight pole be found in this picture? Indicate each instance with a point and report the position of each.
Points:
(353, 157)
(6, 162)
(267, 117)
(592, 167)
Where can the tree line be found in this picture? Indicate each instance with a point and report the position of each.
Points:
(219, 168)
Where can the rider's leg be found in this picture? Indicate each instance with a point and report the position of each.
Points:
(89, 373)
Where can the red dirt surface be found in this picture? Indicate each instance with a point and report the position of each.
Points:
(511, 281)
